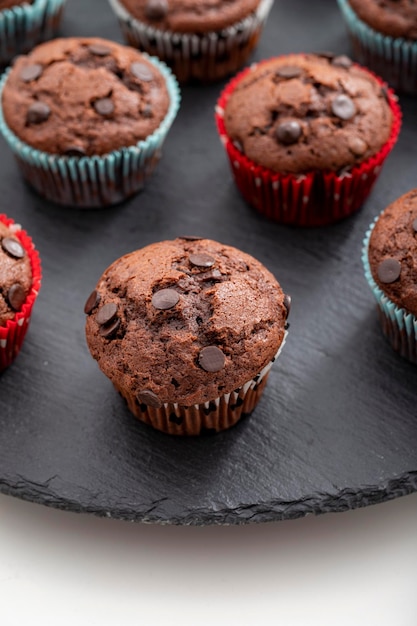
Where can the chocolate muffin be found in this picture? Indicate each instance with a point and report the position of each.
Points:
(390, 262)
(187, 331)
(105, 105)
(84, 96)
(320, 120)
(8, 4)
(384, 38)
(20, 281)
(15, 274)
(202, 41)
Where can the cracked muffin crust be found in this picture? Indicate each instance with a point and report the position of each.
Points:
(396, 18)
(300, 113)
(186, 322)
(84, 97)
(15, 274)
(190, 16)
(393, 252)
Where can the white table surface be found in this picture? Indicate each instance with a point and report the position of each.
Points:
(356, 568)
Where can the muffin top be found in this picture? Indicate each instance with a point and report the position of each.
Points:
(299, 113)
(15, 274)
(8, 4)
(84, 97)
(397, 18)
(393, 252)
(190, 16)
(185, 321)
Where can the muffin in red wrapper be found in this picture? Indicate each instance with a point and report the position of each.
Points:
(20, 281)
(307, 135)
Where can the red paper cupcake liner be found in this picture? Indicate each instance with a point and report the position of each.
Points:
(13, 333)
(316, 198)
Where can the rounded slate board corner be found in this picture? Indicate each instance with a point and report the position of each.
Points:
(335, 428)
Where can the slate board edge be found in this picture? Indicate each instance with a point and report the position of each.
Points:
(269, 511)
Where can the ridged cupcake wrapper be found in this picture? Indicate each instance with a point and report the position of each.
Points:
(313, 199)
(399, 326)
(393, 58)
(212, 416)
(204, 58)
(24, 26)
(13, 333)
(96, 181)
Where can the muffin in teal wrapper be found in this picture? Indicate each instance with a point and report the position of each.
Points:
(384, 38)
(25, 24)
(390, 260)
(86, 119)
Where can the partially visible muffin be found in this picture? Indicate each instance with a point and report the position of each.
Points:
(390, 258)
(87, 118)
(202, 41)
(320, 119)
(187, 331)
(20, 280)
(384, 38)
(8, 4)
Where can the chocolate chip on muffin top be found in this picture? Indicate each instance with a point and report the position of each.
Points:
(300, 113)
(393, 252)
(397, 18)
(15, 274)
(190, 16)
(185, 321)
(81, 97)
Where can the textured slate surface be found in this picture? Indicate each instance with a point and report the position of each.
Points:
(337, 426)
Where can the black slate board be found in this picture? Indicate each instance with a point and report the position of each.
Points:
(337, 426)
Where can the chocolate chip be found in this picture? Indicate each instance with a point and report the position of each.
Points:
(147, 111)
(288, 132)
(106, 314)
(75, 151)
(202, 260)
(343, 107)
(212, 359)
(342, 61)
(31, 72)
(326, 54)
(415, 225)
(109, 329)
(93, 301)
(357, 145)
(385, 93)
(104, 106)
(16, 296)
(190, 237)
(289, 71)
(156, 9)
(165, 299)
(13, 248)
(149, 398)
(142, 71)
(99, 50)
(287, 303)
(389, 271)
(37, 113)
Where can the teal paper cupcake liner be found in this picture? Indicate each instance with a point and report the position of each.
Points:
(205, 58)
(393, 58)
(24, 26)
(398, 325)
(99, 180)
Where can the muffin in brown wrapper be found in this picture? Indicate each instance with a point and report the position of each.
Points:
(187, 331)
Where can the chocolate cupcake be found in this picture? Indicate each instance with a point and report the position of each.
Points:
(23, 24)
(20, 277)
(96, 141)
(307, 135)
(390, 262)
(384, 38)
(200, 41)
(187, 331)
